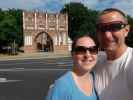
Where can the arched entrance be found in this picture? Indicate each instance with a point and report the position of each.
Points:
(44, 42)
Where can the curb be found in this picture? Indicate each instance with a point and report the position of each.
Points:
(32, 56)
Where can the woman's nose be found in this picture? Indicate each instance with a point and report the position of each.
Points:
(87, 54)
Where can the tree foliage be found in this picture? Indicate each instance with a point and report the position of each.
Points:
(82, 20)
(10, 27)
(129, 39)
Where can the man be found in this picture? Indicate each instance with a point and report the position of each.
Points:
(114, 70)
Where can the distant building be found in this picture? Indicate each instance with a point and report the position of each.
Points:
(45, 32)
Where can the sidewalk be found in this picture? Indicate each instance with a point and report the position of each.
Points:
(33, 56)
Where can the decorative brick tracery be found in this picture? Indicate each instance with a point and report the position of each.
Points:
(46, 32)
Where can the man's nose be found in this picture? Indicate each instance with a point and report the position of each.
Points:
(108, 34)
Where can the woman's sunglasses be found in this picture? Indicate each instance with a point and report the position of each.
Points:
(111, 27)
(82, 50)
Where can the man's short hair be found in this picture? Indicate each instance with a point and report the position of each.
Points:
(108, 10)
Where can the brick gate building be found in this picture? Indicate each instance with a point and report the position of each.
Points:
(45, 32)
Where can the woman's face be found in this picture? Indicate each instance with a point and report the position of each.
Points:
(85, 54)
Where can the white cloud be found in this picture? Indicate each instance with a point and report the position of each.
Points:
(88, 3)
(125, 5)
(31, 1)
(22, 4)
(15, 4)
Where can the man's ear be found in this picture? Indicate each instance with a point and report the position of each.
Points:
(127, 29)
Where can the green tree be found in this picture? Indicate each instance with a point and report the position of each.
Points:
(18, 31)
(129, 39)
(11, 27)
(81, 20)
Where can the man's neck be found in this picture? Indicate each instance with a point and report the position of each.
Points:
(112, 55)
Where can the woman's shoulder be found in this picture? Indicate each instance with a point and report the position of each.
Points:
(64, 80)
(63, 84)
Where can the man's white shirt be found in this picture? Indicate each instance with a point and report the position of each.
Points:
(114, 79)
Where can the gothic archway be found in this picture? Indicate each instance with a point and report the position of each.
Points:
(44, 42)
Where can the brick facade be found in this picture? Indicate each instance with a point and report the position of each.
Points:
(46, 32)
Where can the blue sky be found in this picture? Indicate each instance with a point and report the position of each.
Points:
(56, 5)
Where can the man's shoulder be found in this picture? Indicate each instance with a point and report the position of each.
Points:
(100, 61)
(129, 52)
(130, 49)
(101, 54)
(101, 57)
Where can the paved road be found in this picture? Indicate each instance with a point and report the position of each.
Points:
(36, 63)
(30, 79)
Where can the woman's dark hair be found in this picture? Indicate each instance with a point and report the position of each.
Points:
(74, 41)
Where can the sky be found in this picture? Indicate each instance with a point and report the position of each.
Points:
(56, 5)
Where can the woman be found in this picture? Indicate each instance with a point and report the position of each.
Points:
(77, 84)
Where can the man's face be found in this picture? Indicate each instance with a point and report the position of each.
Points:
(112, 30)
(85, 54)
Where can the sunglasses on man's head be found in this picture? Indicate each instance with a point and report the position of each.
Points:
(82, 49)
(111, 27)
